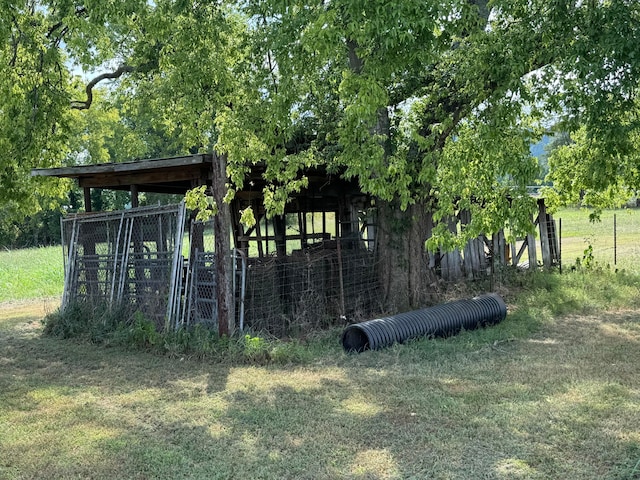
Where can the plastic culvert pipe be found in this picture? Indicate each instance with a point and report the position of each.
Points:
(438, 321)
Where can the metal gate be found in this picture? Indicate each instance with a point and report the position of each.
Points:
(129, 256)
(201, 305)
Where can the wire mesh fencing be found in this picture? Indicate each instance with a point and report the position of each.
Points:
(310, 290)
(610, 242)
(131, 257)
(136, 258)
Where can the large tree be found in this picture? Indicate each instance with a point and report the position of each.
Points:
(431, 105)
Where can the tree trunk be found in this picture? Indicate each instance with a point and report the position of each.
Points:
(403, 260)
(222, 231)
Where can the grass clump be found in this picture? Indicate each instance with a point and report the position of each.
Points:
(124, 328)
(83, 321)
(535, 299)
(582, 291)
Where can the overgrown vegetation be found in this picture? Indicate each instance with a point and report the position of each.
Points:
(534, 298)
(126, 328)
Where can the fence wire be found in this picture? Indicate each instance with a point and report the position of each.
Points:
(201, 306)
(310, 290)
(135, 258)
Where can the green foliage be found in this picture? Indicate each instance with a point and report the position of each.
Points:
(587, 261)
(416, 100)
(247, 217)
(83, 321)
(585, 173)
(142, 333)
(197, 200)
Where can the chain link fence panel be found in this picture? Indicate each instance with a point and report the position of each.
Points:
(130, 257)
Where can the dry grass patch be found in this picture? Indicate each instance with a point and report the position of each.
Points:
(560, 401)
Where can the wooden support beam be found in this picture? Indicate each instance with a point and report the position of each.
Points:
(533, 254)
(475, 262)
(258, 236)
(222, 234)
(107, 180)
(279, 232)
(134, 196)
(518, 255)
(451, 262)
(87, 199)
(544, 235)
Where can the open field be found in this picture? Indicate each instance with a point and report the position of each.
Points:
(578, 233)
(31, 273)
(551, 392)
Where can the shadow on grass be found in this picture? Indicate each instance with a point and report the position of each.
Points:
(560, 402)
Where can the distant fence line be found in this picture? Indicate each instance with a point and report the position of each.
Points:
(610, 242)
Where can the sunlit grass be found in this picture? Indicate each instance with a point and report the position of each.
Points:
(614, 238)
(550, 392)
(31, 273)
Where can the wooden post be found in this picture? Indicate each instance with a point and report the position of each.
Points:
(222, 232)
(532, 253)
(451, 265)
(498, 246)
(280, 234)
(474, 257)
(87, 199)
(340, 276)
(134, 196)
(89, 251)
(544, 234)
(266, 235)
(302, 227)
(259, 237)
(553, 240)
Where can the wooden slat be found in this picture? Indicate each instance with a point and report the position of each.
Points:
(544, 235)
(258, 237)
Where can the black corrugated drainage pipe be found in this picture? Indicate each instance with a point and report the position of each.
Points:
(439, 321)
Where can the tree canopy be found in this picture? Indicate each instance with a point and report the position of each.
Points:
(430, 103)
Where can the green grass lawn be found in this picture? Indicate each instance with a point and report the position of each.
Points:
(551, 392)
(31, 273)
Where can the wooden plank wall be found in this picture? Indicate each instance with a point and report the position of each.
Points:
(481, 255)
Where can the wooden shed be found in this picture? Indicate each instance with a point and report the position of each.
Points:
(308, 267)
(329, 201)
